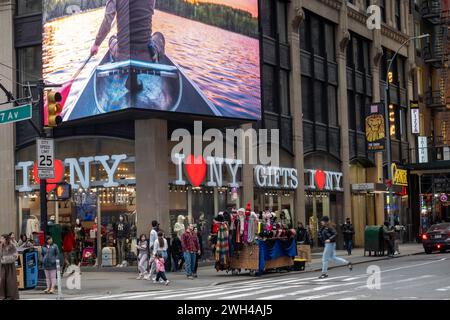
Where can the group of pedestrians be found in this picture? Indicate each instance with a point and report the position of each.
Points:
(153, 254)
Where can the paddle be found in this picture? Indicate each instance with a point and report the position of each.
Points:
(65, 89)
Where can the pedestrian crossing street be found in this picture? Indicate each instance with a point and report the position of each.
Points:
(350, 287)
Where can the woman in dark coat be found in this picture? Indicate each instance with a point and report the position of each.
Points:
(198, 256)
(8, 277)
(50, 253)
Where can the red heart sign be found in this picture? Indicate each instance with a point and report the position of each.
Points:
(59, 172)
(195, 169)
(320, 179)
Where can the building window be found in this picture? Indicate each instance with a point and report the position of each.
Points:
(29, 66)
(383, 10)
(332, 106)
(25, 7)
(284, 92)
(281, 21)
(269, 87)
(267, 18)
(358, 54)
(351, 110)
(317, 35)
(398, 21)
(306, 97)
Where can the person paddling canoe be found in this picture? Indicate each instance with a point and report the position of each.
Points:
(134, 38)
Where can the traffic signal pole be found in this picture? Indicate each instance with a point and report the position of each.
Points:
(43, 184)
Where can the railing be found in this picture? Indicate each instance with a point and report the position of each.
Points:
(430, 154)
(434, 98)
(430, 8)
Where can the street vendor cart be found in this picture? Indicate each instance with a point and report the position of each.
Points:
(264, 255)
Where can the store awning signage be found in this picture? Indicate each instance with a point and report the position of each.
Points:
(375, 188)
(78, 168)
(275, 177)
(318, 179)
(399, 176)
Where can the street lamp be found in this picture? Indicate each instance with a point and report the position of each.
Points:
(387, 123)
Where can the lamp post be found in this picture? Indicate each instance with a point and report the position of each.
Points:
(387, 125)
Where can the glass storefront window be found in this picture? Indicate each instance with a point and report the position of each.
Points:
(25, 7)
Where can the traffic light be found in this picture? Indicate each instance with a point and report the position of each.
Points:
(390, 77)
(63, 191)
(54, 108)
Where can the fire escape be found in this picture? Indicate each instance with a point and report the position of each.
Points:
(436, 54)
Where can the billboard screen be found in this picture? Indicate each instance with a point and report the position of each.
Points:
(198, 57)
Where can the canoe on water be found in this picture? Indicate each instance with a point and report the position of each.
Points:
(162, 86)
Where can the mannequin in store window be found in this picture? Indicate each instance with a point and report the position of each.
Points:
(79, 233)
(122, 234)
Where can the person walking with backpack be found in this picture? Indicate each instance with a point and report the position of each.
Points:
(348, 231)
(328, 236)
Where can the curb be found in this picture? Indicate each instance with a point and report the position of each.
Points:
(276, 275)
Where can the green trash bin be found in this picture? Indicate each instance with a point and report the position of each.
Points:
(373, 240)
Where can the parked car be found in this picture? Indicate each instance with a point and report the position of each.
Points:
(437, 238)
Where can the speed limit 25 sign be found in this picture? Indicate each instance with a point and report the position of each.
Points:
(45, 158)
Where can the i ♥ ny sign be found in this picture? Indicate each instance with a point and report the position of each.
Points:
(196, 170)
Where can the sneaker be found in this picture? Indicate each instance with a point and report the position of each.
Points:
(51, 291)
(154, 278)
(46, 291)
(154, 281)
(323, 276)
(139, 277)
(167, 282)
(190, 277)
(119, 265)
(350, 266)
(161, 280)
(147, 277)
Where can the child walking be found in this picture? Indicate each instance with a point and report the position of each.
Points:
(160, 269)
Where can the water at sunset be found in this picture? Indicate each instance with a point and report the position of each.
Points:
(224, 65)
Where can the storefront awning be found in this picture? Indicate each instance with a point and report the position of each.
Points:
(374, 188)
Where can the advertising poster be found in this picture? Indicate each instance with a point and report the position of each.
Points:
(196, 57)
(375, 128)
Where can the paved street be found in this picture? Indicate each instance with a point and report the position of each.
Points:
(415, 276)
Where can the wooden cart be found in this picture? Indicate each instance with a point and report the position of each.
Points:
(248, 259)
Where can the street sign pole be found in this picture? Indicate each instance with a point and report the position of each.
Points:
(43, 184)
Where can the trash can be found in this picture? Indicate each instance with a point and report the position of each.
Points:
(27, 269)
(373, 240)
(30, 267)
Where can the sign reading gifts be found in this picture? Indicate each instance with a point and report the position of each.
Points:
(211, 171)
(80, 168)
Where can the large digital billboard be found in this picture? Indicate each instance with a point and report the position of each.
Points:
(198, 57)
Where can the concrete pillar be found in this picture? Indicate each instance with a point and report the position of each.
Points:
(376, 55)
(342, 39)
(8, 209)
(247, 174)
(152, 174)
(295, 18)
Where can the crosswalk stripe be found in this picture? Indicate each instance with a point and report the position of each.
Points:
(443, 289)
(295, 293)
(207, 295)
(185, 294)
(320, 296)
(258, 292)
(361, 296)
(279, 280)
(328, 279)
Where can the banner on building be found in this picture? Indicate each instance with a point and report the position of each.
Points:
(415, 117)
(423, 149)
(375, 128)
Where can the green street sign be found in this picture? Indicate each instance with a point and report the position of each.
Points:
(15, 114)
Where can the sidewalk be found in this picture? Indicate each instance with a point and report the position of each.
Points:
(123, 280)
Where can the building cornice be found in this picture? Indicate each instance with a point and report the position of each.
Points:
(335, 4)
(357, 15)
(393, 34)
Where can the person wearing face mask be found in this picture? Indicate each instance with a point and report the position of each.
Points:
(122, 235)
